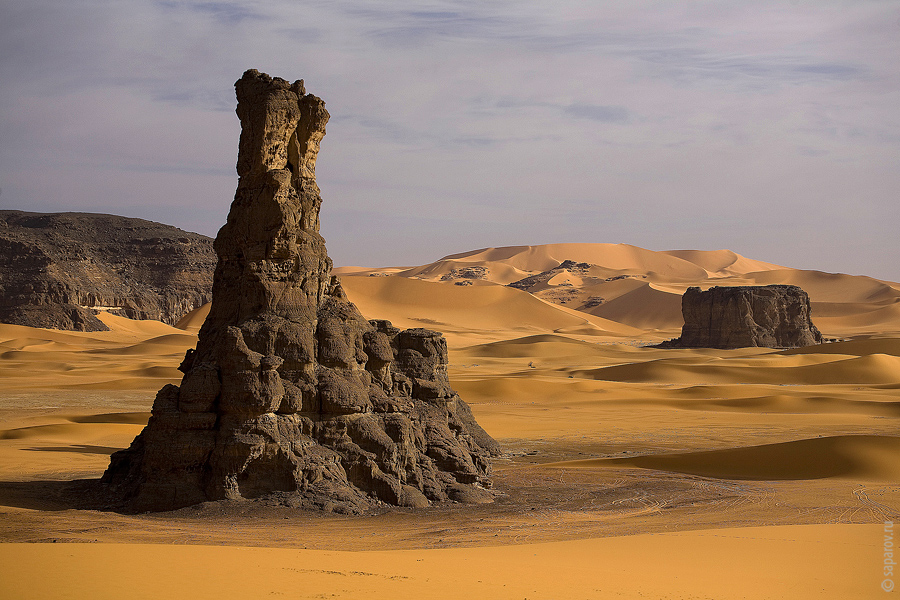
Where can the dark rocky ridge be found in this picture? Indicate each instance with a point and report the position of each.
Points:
(56, 267)
(770, 316)
(290, 391)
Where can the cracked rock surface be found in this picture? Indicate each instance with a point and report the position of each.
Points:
(290, 392)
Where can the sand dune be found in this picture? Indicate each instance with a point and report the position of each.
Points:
(648, 296)
(688, 265)
(73, 434)
(133, 355)
(608, 445)
(121, 325)
(611, 290)
(858, 457)
(645, 307)
(871, 368)
(475, 309)
(830, 287)
(774, 403)
(500, 272)
(17, 337)
(533, 346)
(861, 347)
(722, 262)
(194, 320)
(170, 343)
(874, 322)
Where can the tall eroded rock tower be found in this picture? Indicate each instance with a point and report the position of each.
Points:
(290, 391)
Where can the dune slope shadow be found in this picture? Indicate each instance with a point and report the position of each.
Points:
(76, 449)
(79, 494)
(866, 457)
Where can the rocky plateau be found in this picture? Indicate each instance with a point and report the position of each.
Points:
(58, 269)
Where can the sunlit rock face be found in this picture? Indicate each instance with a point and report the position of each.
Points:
(770, 316)
(291, 394)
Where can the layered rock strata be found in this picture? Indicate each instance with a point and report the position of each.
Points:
(770, 316)
(57, 270)
(290, 392)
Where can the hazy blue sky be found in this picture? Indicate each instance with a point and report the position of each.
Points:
(769, 128)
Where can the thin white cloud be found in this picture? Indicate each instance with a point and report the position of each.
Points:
(768, 127)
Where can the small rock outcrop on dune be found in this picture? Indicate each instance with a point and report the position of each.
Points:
(567, 266)
(572, 284)
(58, 269)
(770, 316)
(465, 275)
(291, 394)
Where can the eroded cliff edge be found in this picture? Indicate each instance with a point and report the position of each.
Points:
(58, 269)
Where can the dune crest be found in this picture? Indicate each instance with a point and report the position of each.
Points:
(642, 288)
(855, 457)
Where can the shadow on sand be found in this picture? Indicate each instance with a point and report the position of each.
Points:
(78, 494)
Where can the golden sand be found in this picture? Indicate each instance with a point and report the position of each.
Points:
(631, 472)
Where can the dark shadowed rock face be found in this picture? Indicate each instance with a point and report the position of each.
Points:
(290, 392)
(771, 316)
(56, 267)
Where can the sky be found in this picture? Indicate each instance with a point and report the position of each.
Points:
(771, 128)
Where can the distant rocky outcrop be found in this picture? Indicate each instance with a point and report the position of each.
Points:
(569, 266)
(581, 269)
(58, 269)
(291, 394)
(770, 316)
(465, 275)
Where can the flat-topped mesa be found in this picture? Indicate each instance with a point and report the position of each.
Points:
(290, 392)
(771, 316)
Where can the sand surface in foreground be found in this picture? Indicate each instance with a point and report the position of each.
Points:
(840, 561)
(629, 471)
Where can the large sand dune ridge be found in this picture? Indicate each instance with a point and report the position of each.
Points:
(642, 288)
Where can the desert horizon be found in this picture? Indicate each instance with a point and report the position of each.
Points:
(529, 398)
